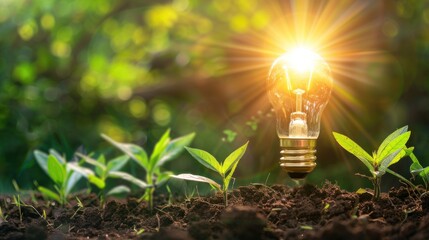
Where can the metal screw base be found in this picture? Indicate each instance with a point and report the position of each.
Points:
(298, 156)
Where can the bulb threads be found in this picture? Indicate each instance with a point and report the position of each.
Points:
(298, 156)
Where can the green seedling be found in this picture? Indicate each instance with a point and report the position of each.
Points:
(3, 217)
(391, 150)
(103, 171)
(57, 168)
(165, 150)
(138, 232)
(79, 207)
(416, 169)
(225, 169)
(17, 203)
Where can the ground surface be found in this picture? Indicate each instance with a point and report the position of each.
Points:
(255, 212)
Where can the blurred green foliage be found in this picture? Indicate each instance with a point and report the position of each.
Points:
(70, 70)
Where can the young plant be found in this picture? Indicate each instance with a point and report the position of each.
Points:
(225, 169)
(3, 218)
(165, 150)
(57, 168)
(103, 171)
(391, 150)
(416, 169)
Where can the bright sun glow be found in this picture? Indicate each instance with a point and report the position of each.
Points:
(301, 59)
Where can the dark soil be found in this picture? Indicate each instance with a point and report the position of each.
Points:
(255, 212)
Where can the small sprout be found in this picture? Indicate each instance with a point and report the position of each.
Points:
(361, 191)
(44, 214)
(326, 207)
(3, 218)
(138, 232)
(79, 207)
(64, 178)
(17, 203)
(391, 150)
(416, 169)
(165, 150)
(225, 169)
(105, 170)
(306, 227)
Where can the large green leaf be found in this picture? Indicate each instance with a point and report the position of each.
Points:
(353, 148)
(57, 155)
(42, 160)
(205, 158)
(135, 152)
(56, 170)
(197, 178)
(174, 148)
(395, 144)
(129, 178)
(389, 138)
(117, 163)
(159, 148)
(387, 160)
(49, 194)
(233, 158)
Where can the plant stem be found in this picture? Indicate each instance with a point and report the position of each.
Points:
(149, 192)
(402, 178)
(377, 189)
(225, 192)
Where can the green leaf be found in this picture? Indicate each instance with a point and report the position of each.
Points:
(129, 178)
(121, 189)
(97, 181)
(72, 180)
(361, 191)
(57, 156)
(174, 148)
(101, 167)
(353, 148)
(49, 194)
(197, 178)
(135, 152)
(233, 158)
(86, 172)
(229, 176)
(425, 174)
(117, 163)
(415, 168)
(42, 160)
(205, 158)
(161, 178)
(395, 144)
(56, 170)
(387, 160)
(159, 148)
(389, 138)
(398, 157)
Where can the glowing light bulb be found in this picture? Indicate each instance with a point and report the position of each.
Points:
(299, 87)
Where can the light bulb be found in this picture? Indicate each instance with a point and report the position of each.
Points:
(299, 87)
